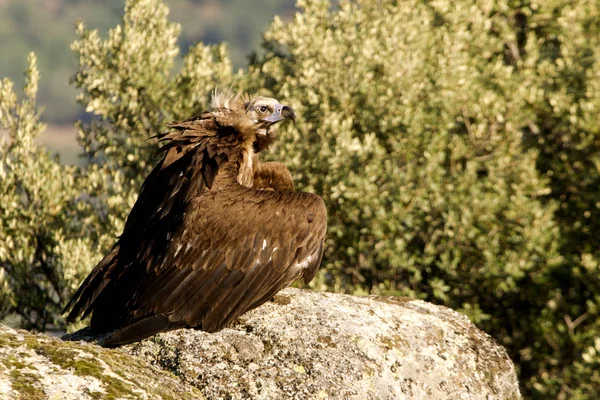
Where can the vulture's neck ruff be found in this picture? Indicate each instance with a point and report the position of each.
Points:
(231, 132)
(253, 121)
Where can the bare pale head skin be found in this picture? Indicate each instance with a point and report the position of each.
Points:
(264, 112)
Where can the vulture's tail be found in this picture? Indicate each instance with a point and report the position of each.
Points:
(82, 302)
(142, 329)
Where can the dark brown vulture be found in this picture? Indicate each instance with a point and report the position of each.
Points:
(213, 234)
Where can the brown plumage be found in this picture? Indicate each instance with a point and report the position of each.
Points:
(272, 176)
(213, 234)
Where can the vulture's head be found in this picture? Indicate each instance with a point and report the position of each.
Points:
(263, 113)
(266, 111)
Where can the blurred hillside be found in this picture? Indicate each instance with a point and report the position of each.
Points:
(47, 28)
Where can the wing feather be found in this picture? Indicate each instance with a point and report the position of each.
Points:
(205, 280)
(200, 304)
(258, 252)
(257, 280)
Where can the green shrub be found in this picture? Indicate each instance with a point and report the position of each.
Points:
(455, 144)
(126, 81)
(559, 52)
(414, 135)
(51, 223)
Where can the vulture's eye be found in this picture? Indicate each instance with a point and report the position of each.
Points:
(263, 109)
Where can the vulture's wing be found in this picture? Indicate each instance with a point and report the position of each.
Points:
(235, 250)
(188, 166)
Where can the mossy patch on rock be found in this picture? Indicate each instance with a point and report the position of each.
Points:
(27, 384)
(37, 366)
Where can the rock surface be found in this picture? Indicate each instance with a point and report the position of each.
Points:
(303, 345)
(41, 367)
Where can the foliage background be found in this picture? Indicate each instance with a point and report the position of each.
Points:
(455, 144)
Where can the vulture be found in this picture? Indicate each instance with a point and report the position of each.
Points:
(214, 232)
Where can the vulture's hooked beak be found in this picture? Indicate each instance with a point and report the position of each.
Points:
(281, 112)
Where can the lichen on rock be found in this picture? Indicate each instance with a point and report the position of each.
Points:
(310, 345)
(41, 367)
(301, 345)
